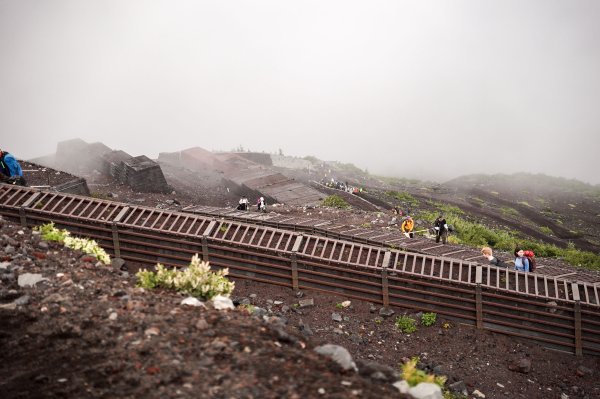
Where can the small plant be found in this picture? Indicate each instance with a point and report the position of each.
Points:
(406, 324)
(508, 211)
(393, 246)
(546, 230)
(223, 228)
(248, 308)
(415, 376)
(339, 306)
(428, 319)
(366, 225)
(378, 321)
(446, 325)
(405, 197)
(50, 233)
(196, 280)
(296, 305)
(335, 201)
(99, 195)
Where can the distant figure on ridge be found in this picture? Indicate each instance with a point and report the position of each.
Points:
(243, 204)
(10, 170)
(261, 205)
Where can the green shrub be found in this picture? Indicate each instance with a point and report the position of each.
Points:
(85, 245)
(428, 319)
(196, 280)
(335, 201)
(546, 230)
(405, 197)
(51, 233)
(415, 376)
(406, 324)
(507, 211)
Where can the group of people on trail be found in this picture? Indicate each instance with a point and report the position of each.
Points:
(10, 170)
(244, 204)
(524, 260)
(440, 226)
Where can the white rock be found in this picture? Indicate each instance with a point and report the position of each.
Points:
(277, 302)
(113, 316)
(222, 302)
(426, 390)
(4, 265)
(191, 301)
(402, 386)
(30, 279)
(338, 354)
(478, 394)
(346, 304)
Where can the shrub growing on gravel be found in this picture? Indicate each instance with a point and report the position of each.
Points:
(335, 201)
(428, 319)
(50, 233)
(415, 376)
(196, 280)
(406, 324)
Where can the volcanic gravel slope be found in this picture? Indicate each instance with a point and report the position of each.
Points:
(86, 331)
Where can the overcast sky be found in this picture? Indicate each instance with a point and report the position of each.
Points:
(429, 89)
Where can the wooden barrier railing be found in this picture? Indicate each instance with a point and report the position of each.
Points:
(556, 313)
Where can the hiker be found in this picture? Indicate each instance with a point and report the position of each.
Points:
(261, 205)
(521, 261)
(10, 170)
(243, 204)
(407, 227)
(487, 253)
(441, 229)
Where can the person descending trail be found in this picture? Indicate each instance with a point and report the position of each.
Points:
(441, 229)
(261, 205)
(243, 204)
(407, 227)
(10, 170)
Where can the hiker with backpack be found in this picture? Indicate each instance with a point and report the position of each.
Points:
(10, 169)
(494, 261)
(521, 261)
(407, 227)
(441, 229)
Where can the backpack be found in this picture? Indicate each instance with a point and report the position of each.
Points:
(532, 263)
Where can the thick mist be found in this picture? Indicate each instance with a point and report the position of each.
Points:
(416, 89)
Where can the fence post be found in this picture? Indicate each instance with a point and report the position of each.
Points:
(478, 300)
(27, 204)
(204, 242)
(294, 261)
(385, 291)
(115, 237)
(577, 314)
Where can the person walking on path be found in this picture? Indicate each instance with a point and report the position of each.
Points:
(407, 227)
(521, 261)
(441, 229)
(10, 169)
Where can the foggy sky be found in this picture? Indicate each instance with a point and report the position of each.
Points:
(428, 89)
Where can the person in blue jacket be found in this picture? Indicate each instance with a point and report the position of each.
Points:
(521, 261)
(10, 169)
